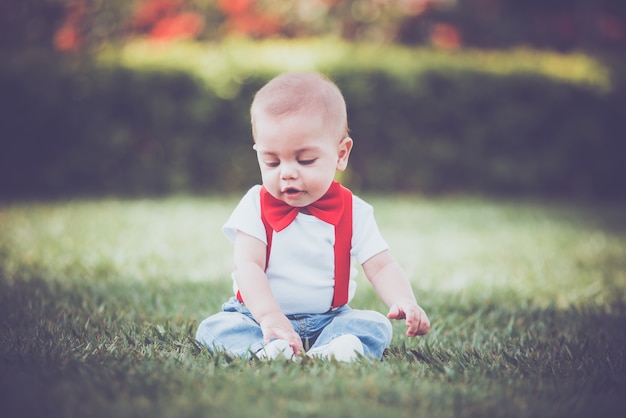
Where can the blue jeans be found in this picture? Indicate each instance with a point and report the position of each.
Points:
(235, 331)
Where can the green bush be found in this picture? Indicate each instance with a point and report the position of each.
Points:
(155, 119)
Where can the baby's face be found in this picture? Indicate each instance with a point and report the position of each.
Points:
(298, 156)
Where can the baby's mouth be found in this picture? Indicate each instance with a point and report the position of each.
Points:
(291, 191)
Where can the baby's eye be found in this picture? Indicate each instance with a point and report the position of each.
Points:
(307, 162)
(272, 163)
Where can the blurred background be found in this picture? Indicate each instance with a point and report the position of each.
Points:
(151, 97)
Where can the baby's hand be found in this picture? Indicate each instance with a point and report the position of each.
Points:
(278, 326)
(417, 322)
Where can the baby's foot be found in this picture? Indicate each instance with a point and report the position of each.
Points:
(346, 347)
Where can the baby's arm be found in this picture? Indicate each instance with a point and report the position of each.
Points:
(249, 271)
(394, 288)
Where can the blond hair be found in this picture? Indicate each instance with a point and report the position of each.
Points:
(308, 93)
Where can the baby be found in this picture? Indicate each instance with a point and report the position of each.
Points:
(295, 238)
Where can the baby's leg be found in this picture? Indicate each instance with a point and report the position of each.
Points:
(372, 328)
(233, 332)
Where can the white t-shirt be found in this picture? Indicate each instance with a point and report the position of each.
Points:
(301, 265)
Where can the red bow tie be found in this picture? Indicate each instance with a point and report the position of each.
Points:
(279, 215)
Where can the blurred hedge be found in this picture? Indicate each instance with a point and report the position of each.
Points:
(152, 119)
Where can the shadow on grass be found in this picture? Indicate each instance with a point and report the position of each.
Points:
(115, 347)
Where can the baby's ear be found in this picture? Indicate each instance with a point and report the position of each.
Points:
(345, 146)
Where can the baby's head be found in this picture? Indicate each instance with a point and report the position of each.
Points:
(304, 93)
(300, 130)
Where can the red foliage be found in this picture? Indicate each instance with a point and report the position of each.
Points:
(150, 11)
(243, 18)
(612, 28)
(413, 7)
(255, 25)
(68, 37)
(167, 19)
(183, 25)
(445, 36)
(235, 7)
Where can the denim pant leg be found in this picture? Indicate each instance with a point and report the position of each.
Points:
(233, 331)
(372, 328)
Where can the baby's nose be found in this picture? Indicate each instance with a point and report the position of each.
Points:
(288, 171)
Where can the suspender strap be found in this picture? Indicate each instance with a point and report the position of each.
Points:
(343, 245)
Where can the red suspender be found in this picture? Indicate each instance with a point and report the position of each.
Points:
(269, 233)
(343, 245)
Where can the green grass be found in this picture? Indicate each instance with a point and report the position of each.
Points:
(99, 302)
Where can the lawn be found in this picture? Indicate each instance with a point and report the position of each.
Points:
(100, 299)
